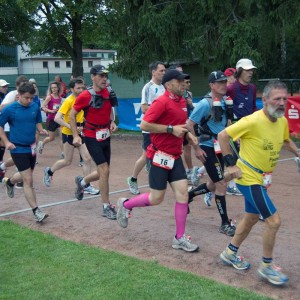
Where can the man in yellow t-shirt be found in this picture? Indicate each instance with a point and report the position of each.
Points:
(63, 118)
(262, 136)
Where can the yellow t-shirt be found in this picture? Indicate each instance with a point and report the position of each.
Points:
(65, 110)
(260, 144)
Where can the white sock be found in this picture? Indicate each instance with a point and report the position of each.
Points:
(231, 184)
(83, 183)
(106, 204)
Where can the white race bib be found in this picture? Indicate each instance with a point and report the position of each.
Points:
(217, 147)
(33, 149)
(163, 160)
(102, 134)
(267, 180)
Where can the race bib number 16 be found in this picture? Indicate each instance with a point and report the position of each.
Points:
(163, 160)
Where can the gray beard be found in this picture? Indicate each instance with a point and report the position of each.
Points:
(275, 114)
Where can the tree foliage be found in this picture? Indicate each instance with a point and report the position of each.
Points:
(212, 33)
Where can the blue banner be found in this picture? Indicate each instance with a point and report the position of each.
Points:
(129, 112)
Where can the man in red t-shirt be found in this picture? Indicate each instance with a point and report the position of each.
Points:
(97, 102)
(166, 121)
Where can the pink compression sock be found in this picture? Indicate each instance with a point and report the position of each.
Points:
(138, 201)
(181, 210)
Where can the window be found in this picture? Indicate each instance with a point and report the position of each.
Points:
(68, 64)
(90, 63)
(45, 64)
(57, 64)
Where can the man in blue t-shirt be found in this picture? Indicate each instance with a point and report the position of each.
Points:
(24, 118)
(210, 112)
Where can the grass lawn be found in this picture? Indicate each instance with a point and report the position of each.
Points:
(34, 265)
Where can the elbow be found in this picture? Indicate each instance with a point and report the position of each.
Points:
(222, 135)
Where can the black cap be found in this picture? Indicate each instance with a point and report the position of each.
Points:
(174, 74)
(216, 76)
(98, 69)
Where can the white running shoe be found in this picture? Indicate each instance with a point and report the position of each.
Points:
(40, 147)
(185, 244)
(91, 190)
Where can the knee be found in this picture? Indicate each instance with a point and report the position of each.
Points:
(67, 162)
(104, 170)
(87, 161)
(156, 200)
(273, 222)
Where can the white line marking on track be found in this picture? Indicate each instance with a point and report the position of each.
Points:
(65, 202)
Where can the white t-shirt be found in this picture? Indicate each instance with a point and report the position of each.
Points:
(150, 92)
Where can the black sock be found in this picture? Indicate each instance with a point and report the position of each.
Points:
(133, 179)
(233, 248)
(87, 185)
(221, 205)
(2, 150)
(199, 190)
(9, 182)
(34, 209)
(50, 172)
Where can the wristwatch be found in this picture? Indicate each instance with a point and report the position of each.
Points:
(169, 129)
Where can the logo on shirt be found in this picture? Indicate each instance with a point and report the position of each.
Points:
(267, 145)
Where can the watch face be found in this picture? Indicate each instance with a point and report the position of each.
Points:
(170, 129)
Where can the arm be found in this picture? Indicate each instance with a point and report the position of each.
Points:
(7, 143)
(40, 129)
(59, 120)
(229, 160)
(44, 107)
(113, 125)
(73, 125)
(178, 130)
(144, 108)
(291, 146)
(199, 153)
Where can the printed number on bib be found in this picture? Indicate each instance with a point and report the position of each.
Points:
(163, 160)
(267, 180)
(33, 149)
(217, 147)
(102, 134)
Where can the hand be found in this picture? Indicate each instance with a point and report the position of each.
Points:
(79, 129)
(43, 132)
(113, 126)
(193, 140)
(179, 130)
(200, 154)
(77, 142)
(9, 146)
(234, 171)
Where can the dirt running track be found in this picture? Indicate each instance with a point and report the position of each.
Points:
(150, 231)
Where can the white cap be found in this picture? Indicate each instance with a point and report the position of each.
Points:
(245, 64)
(3, 82)
(32, 80)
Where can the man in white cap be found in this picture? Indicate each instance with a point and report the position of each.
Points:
(243, 94)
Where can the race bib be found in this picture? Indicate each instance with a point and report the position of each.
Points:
(102, 134)
(33, 149)
(56, 106)
(217, 147)
(163, 160)
(267, 180)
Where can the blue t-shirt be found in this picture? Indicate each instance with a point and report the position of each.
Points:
(203, 110)
(22, 121)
